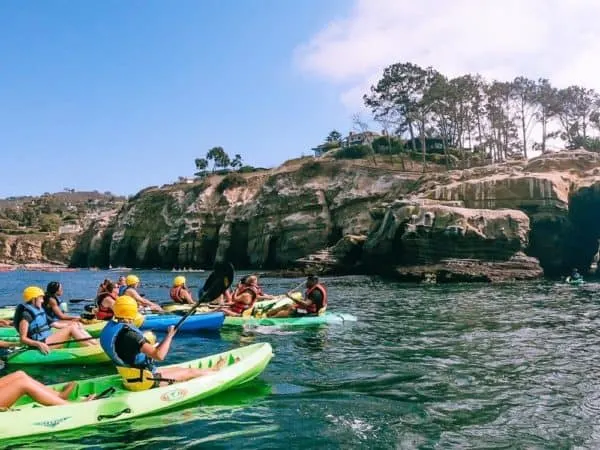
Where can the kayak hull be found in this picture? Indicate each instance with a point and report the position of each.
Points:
(327, 318)
(28, 418)
(197, 322)
(73, 354)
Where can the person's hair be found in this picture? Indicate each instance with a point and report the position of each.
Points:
(52, 288)
(109, 286)
(312, 278)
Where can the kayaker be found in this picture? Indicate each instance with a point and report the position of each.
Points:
(575, 275)
(105, 302)
(102, 287)
(34, 326)
(52, 303)
(134, 356)
(131, 284)
(17, 384)
(121, 282)
(244, 297)
(179, 292)
(314, 302)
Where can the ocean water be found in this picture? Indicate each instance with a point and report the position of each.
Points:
(425, 367)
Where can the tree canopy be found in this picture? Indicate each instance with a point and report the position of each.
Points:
(469, 112)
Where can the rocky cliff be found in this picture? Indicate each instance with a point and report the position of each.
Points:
(487, 223)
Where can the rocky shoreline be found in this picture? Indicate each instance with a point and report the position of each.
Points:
(517, 220)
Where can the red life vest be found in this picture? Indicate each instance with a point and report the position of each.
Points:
(175, 294)
(103, 312)
(314, 308)
(239, 307)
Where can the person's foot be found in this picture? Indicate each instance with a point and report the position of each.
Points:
(90, 397)
(66, 392)
(220, 364)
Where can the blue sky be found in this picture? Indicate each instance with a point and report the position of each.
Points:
(119, 95)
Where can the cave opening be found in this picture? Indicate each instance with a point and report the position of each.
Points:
(271, 261)
(335, 235)
(581, 241)
(237, 252)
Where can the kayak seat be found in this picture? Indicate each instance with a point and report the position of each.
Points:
(135, 379)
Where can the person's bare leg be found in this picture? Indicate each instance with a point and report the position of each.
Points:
(65, 334)
(185, 374)
(18, 384)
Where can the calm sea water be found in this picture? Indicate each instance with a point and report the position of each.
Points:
(442, 366)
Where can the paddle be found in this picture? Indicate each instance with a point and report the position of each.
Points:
(216, 283)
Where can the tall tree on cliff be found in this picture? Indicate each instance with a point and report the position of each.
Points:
(201, 165)
(503, 133)
(576, 108)
(335, 137)
(219, 158)
(236, 162)
(398, 97)
(546, 97)
(524, 94)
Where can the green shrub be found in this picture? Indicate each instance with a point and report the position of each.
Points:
(354, 152)
(232, 180)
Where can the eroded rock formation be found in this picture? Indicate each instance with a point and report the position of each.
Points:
(343, 217)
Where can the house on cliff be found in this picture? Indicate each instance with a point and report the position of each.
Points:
(363, 138)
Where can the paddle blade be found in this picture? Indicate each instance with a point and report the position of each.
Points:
(217, 282)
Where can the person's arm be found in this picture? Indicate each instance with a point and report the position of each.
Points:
(23, 330)
(144, 302)
(59, 312)
(245, 298)
(5, 323)
(187, 296)
(159, 353)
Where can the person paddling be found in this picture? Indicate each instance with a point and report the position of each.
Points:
(35, 327)
(134, 356)
(314, 302)
(52, 303)
(130, 289)
(179, 292)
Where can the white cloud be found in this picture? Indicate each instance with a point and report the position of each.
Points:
(557, 39)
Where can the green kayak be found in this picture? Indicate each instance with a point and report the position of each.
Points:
(94, 328)
(7, 312)
(326, 318)
(27, 418)
(74, 353)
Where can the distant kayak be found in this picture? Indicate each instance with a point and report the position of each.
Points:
(74, 353)
(576, 282)
(198, 322)
(94, 328)
(327, 318)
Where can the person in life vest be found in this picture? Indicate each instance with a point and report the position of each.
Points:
(314, 302)
(246, 294)
(105, 301)
(52, 303)
(131, 284)
(134, 356)
(179, 292)
(17, 384)
(35, 326)
(102, 287)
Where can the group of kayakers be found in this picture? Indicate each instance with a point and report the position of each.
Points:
(131, 351)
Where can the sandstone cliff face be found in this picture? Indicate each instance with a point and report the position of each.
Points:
(269, 221)
(342, 216)
(36, 249)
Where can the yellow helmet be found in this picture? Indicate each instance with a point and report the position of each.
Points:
(32, 292)
(179, 281)
(125, 307)
(131, 280)
(139, 320)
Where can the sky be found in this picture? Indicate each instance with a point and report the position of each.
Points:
(116, 96)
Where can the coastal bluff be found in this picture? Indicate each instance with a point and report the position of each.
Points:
(507, 221)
